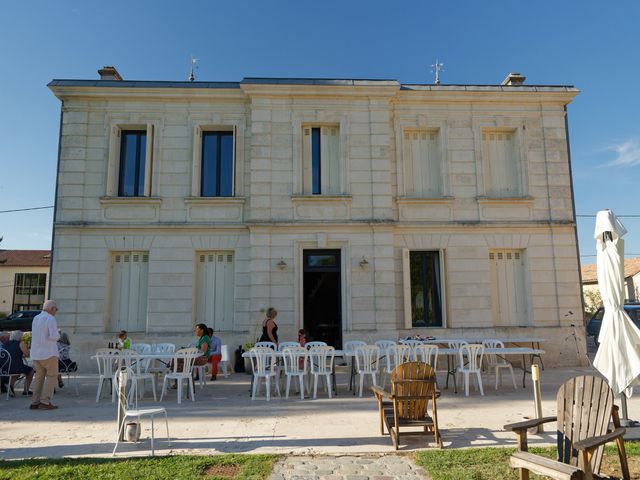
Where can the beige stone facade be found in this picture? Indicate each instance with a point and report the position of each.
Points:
(24, 279)
(373, 217)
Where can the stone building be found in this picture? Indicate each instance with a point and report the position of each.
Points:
(24, 279)
(360, 209)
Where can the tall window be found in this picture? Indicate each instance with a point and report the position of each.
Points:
(508, 293)
(214, 289)
(425, 289)
(29, 291)
(129, 285)
(422, 161)
(216, 178)
(501, 163)
(133, 148)
(321, 160)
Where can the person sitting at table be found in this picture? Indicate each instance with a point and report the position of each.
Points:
(124, 342)
(216, 354)
(17, 351)
(65, 364)
(203, 344)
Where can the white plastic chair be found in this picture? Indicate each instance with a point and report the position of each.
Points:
(451, 369)
(283, 345)
(137, 365)
(321, 365)
(427, 354)
(263, 365)
(224, 362)
(498, 363)
(141, 348)
(108, 360)
(384, 345)
(396, 354)
(308, 345)
(270, 345)
(135, 412)
(66, 352)
(163, 348)
(152, 366)
(470, 362)
(367, 363)
(5, 367)
(295, 365)
(188, 356)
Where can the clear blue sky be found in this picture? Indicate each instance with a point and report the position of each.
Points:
(592, 45)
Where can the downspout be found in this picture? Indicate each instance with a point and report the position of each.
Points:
(55, 202)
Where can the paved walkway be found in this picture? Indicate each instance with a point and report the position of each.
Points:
(363, 467)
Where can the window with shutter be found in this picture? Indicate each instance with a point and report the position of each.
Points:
(508, 287)
(214, 290)
(129, 288)
(321, 160)
(422, 163)
(501, 160)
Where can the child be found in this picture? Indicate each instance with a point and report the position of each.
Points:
(124, 341)
(302, 337)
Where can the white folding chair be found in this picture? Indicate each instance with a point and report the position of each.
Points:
(224, 363)
(498, 363)
(321, 365)
(130, 410)
(308, 345)
(108, 360)
(263, 364)
(470, 363)
(295, 365)
(367, 363)
(5, 368)
(181, 372)
(70, 368)
(270, 345)
(283, 345)
(427, 354)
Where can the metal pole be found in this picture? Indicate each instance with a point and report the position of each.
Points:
(537, 396)
(122, 397)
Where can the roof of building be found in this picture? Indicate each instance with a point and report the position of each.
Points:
(25, 258)
(304, 81)
(631, 268)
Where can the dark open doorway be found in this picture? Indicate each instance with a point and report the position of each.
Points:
(322, 296)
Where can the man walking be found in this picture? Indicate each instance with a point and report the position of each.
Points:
(44, 353)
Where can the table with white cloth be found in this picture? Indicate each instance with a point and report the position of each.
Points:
(279, 355)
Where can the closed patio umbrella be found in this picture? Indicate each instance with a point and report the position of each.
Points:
(618, 357)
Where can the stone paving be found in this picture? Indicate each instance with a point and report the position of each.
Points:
(352, 467)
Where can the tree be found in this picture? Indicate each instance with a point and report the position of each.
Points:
(592, 301)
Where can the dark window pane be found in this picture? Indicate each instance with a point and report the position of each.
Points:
(426, 309)
(29, 290)
(217, 164)
(315, 161)
(133, 147)
(322, 260)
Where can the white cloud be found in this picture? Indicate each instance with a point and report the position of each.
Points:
(628, 153)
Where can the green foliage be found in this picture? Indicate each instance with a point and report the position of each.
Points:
(252, 467)
(592, 301)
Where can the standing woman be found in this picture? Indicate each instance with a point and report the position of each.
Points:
(269, 327)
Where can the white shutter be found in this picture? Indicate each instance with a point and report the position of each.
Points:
(501, 163)
(422, 163)
(331, 161)
(129, 290)
(196, 173)
(120, 291)
(214, 292)
(306, 161)
(406, 287)
(148, 161)
(506, 274)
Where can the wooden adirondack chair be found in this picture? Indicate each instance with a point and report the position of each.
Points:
(585, 407)
(413, 387)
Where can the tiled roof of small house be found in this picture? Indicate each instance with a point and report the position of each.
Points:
(631, 267)
(25, 258)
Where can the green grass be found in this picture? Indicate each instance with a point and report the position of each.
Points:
(493, 463)
(252, 467)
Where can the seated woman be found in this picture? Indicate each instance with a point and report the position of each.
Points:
(18, 350)
(203, 343)
(65, 364)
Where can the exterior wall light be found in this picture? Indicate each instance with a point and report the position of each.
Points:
(281, 264)
(364, 263)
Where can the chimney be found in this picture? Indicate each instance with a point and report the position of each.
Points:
(514, 78)
(109, 73)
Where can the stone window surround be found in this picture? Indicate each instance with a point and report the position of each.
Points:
(422, 123)
(500, 124)
(406, 275)
(319, 119)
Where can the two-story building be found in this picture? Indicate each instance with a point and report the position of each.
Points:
(359, 209)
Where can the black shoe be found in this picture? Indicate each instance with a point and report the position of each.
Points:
(27, 393)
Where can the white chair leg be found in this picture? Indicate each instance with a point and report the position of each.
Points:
(166, 421)
(479, 383)
(277, 382)
(301, 386)
(153, 452)
(267, 384)
(498, 379)
(193, 393)
(466, 384)
(179, 391)
(328, 380)
(361, 383)
(315, 386)
(100, 382)
(153, 386)
(287, 388)
(254, 387)
(118, 436)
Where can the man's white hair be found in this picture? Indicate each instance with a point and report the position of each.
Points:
(49, 304)
(16, 335)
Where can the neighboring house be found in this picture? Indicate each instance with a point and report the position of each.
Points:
(24, 278)
(631, 278)
(359, 209)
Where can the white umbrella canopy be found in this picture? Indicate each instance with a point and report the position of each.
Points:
(618, 357)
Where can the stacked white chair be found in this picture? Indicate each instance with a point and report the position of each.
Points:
(270, 345)
(470, 363)
(367, 364)
(427, 354)
(384, 345)
(283, 345)
(130, 411)
(108, 360)
(321, 365)
(498, 363)
(263, 364)
(181, 373)
(308, 345)
(396, 354)
(295, 366)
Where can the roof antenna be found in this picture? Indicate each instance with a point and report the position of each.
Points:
(438, 67)
(193, 66)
